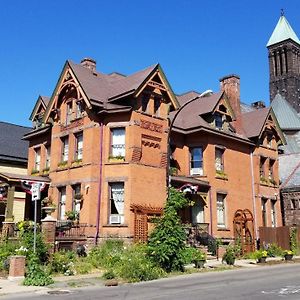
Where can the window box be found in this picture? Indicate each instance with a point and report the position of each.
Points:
(221, 175)
(119, 158)
(35, 172)
(76, 162)
(263, 180)
(46, 171)
(62, 165)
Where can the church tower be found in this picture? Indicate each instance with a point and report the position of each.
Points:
(284, 63)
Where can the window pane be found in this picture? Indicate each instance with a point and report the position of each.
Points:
(62, 203)
(221, 210)
(117, 202)
(196, 163)
(118, 142)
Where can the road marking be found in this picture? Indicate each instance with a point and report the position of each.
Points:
(287, 290)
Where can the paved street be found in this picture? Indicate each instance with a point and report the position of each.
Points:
(275, 282)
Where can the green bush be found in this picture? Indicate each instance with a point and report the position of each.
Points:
(6, 249)
(167, 240)
(109, 275)
(229, 255)
(274, 250)
(63, 263)
(136, 266)
(36, 274)
(106, 255)
(82, 266)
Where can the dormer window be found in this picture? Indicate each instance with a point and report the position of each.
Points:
(218, 121)
(79, 109)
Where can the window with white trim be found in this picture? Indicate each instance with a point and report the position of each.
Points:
(62, 203)
(118, 142)
(273, 213)
(65, 149)
(48, 153)
(196, 161)
(78, 145)
(219, 159)
(221, 210)
(37, 159)
(76, 195)
(116, 215)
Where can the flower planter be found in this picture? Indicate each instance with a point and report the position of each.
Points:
(288, 256)
(262, 260)
(199, 264)
(48, 210)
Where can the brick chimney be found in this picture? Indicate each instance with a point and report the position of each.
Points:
(230, 84)
(89, 63)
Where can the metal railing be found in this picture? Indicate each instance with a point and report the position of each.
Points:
(70, 229)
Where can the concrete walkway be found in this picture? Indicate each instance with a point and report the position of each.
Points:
(8, 287)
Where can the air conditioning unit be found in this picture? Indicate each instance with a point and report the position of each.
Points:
(115, 219)
(197, 171)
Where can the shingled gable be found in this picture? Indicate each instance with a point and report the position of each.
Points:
(40, 105)
(254, 123)
(191, 114)
(100, 89)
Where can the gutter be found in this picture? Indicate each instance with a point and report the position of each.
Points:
(253, 196)
(100, 186)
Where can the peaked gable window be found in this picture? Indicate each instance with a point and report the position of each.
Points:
(118, 142)
(196, 161)
(69, 113)
(79, 109)
(218, 121)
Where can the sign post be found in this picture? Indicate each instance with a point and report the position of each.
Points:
(35, 196)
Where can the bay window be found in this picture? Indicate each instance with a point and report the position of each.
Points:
(118, 142)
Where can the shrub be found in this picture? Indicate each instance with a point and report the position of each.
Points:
(109, 275)
(82, 266)
(6, 249)
(167, 240)
(62, 262)
(136, 266)
(229, 255)
(36, 274)
(106, 255)
(274, 250)
(258, 254)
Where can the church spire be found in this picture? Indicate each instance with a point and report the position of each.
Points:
(283, 31)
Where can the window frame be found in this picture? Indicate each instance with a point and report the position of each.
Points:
(76, 189)
(65, 145)
(223, 211)
(271, 169)
(201, 170)
(69, 112)
(222, 152)
(78, 155)
(62, 203)
(219, 121)
(123, 145)
(48, 157)
(273, 213)
(111, 199)
(264, 211)
(262, 166)
(37, 162)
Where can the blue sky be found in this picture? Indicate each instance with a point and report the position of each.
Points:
(196, 42)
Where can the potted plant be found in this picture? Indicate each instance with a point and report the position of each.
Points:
(72, 215)
(229, 256)
(288, 254)
(261, 256)
(116, 158)
(48, 206)
(199, 258)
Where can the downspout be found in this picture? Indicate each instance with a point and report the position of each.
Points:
(253, 195)
(100, 186)
(210, 212)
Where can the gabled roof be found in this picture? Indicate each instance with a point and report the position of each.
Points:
(254, 121)
(12, 147)
(185, 97)
(286, 115)
(283, 31)
(100, 89)
(289, 170)
(41, 101)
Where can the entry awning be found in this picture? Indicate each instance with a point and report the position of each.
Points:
(11, 177)
(177, 180)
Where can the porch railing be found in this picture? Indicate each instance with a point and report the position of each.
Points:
(69, 229)
(196, 233)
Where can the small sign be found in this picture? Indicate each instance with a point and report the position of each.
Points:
(35, 192)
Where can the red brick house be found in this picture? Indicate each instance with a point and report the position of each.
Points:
(103, 139)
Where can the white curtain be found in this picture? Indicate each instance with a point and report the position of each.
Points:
(62, 203)
(66, 150)
(79, 146)
(118, 142)
(117, 191)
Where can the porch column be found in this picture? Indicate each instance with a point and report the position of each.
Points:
(10, 204)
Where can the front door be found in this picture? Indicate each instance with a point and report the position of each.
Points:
(198, 212)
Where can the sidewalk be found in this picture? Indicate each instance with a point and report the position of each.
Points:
(62, 283)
